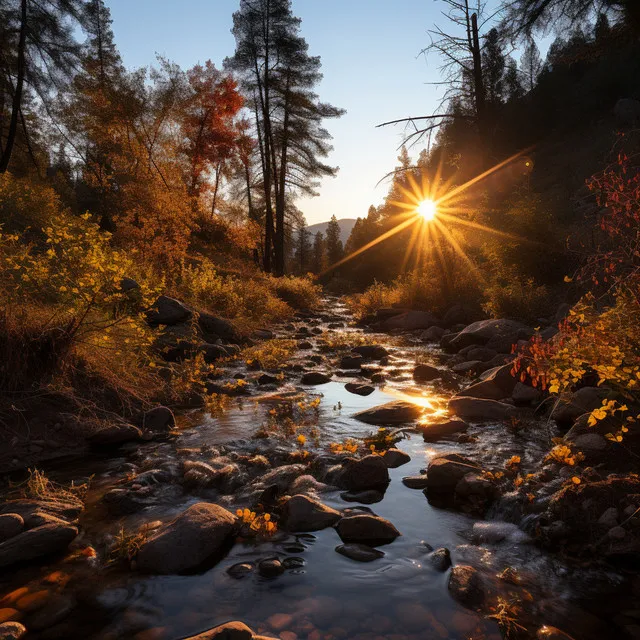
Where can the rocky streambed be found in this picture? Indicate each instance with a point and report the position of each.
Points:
(283, 509)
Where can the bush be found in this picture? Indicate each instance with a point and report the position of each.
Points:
(526, 300)
(377, 296)
(298, 292)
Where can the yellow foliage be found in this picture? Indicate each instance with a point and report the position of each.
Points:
(258, 524)
(269, 354)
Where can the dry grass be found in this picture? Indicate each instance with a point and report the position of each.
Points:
(126, 546)
(269, 354)
(39, 487)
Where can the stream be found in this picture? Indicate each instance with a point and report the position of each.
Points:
(322, 594)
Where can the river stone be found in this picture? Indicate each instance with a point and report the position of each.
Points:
(484, 331)
(12, 631)
(440, 559)
(353, 361)
(240, 569)
(395, 458)
(432, 334)
(370, 496)
(495, 532)
(444, 472)
(159, 420)
(415, 482)
(474, 492)
(283, 477)
(114, 435)
(168, 311)
(410, 321)
(227, 631)
(551, 633)
(186, 542)
(480, 409)
(397, 412)
(525, 395)
(569, 409)
(367, 529)
(465, 586)
(214, 328)
(68, 510)
(213, 352)
(495, 384)
(469, 367)
(303, 514)
(367, 473)
(371, 351)
(315, 377)
(11, 524)
(426, 373)
(270, 567)
(359, 552)
(308, 484)
(37, 542)
(359, 389)
(432, 432)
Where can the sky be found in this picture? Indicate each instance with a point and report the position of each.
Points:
(370, 52)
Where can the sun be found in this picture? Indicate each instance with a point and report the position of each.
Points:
(427, 209)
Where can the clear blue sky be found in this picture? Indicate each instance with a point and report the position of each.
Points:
(371, 65)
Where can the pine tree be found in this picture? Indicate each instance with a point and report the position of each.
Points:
(335, 250)
(531, 64)
(493, 67)
(318, 259)
(303, 250)
(512, 83)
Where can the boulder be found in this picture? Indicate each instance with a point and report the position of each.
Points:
(445, 471)
(159, 420)
(410, 321)
(214, 328)
(188, 541)
(368, 473)
(484, 354)
(213, 352)
(525, 395)
(426, 373)
(44, 540)
(432, 334)
(438, 430)
(369, 496)
(480, 409)
(474, 493)
(227, 631)
(366, 529)
(468, 367)
(12, 631)
(359, 389)
(11, 524)
(440, 559)
(568, 409)
(395, 458)
(315, 378)
(114, 435)
(303, 514)
(484, 331)
(371, 351)
(168, 311)
(495, 384)
(265, 378)
(270, 568)
(351, 361)
(359, 552)
(465, 586)
(391, 413)
(416, 482)
(458, 314)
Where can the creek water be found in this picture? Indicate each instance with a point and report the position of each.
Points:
(324, 595)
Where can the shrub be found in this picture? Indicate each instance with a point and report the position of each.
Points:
(522, 300)
(377, 296)
(298, 292)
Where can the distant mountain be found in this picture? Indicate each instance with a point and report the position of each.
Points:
(346, 225)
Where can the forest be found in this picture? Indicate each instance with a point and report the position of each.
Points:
(216, 423)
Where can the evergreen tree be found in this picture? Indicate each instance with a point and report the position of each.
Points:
(531, 64)
(335, 250)
(512, 83)
(318, 258)
(303, 250)
(493, 67)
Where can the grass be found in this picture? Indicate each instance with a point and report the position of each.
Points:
(270, 354)
(126, 546)
(39, 487)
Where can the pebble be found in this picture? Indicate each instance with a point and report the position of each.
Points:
(270, 568)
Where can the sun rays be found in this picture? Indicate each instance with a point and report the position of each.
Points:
(434, 210)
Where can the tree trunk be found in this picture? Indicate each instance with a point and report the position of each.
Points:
(280, 201)
(478, 84)
(17, 95)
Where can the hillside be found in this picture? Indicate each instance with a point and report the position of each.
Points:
(346, 225)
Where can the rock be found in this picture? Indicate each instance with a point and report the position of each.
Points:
(482, 332)
(367, 529)
(265, 378)
(302, 514)
(213, 352)
(283, 477)
(128, 284)
(395, 458)
(432, 334)
(315, 377)
(351, 362)
(359, 389)
(551, 633)
(440, 559)
(370, 496)
(308, 484)
(483, 354)
(480, 409)
(240, 569)
(432, 432)
(496, 384)
(371, 351)
(214, 328)
(12, 631)
(397, 412)
(188, 541)
(616, 533)
(474, 493)
(426, 373)
(525, 395)
(159, 420)
(410, 321)
(458, 314)
(40, 541)
(228, 631)
(8, 613)
(11, 524)
(465, 586)
(378, 378)
(56, 610)
(468, 367)
(305, 345)
(444, 472)
(367, 473)
(495, 532)
(359, 552)
(263, 334)
(627, 112)
(591, 443)
(270, 568)
(570, 408)
(609, 518)
(415, 482)
(168, 311)
(114, 435)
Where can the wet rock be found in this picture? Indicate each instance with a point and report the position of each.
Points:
(467, 368)
(495, 532)
(371, 496)
(359, 389)
(228, 631)
(31, 510)
(168, 311)
(303, 514)
(378, 378)
(283, 477)
(395, 458)
(397, 412)
(415, 482)
(11, 524)
(416, 618)
(525, 395)
(444, 472)
(214, 328)
(114, 435)
(433, 432)
(37, 542)
(410, 321)
(56, 610)
(308, 484)
(366, 529)
(440, 559)
(263, 334)
(8, 613)
(293, 562)
(485, 331)
(305, 345)
(496, 384)
(159, 420)
(351, 362)
(483, 354)
(371, 351)
(465, 586)
(459, 314)
(569, 409)
(315, 378)
(12, 631)
(591, 443)
(265, 378)
(367, 473)
(551, 633)
(188, 541)
(433, 334)
(426, 373)
(241, 569)
(213, 352)
(270, 568)
(474, 493)
(480, 409)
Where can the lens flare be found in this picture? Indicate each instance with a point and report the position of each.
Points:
(428, 210)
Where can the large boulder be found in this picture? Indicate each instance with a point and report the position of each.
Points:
(168, 311)
(483, 332)
(395, 458)
(391, 413)
(438, 430)
(368, 473)
(359, 389)
(189, 540)
(159, 420)
(313, 378)
(570, 407)
(214, 328)
(445, 471)
(228, 631)
(38, 542)
(366, 529)
(426, 373)
(459, 314)
(371, 351)
(496, 384)
(410, 321)
(480, 409)
(302, 514)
